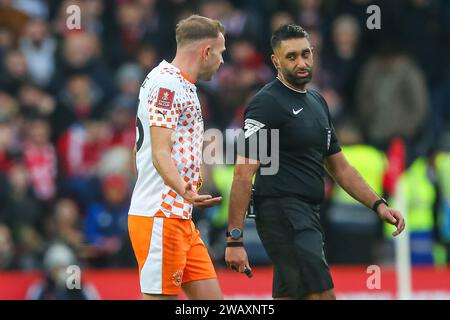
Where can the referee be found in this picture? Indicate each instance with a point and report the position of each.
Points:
(287, 203)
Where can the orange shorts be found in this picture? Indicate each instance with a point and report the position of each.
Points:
(169, 253)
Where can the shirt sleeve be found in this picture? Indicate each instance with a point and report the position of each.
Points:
(334, 146)
(261, 117)
(164, 105)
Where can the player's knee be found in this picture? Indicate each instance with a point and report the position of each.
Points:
(146, 296)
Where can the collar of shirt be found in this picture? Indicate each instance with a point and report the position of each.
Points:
(291, 87)
(187, 80)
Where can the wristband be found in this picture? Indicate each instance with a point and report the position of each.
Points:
(377, 204)
(235, 244)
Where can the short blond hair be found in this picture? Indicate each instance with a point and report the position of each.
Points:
(196, 28)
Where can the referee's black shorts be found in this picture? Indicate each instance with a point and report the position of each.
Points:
(291, 233)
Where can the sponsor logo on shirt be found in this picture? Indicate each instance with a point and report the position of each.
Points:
(296, 111)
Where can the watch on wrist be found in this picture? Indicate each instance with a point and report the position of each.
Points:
(234, 233)
(377, 204)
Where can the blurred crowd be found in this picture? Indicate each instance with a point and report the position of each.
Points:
(68, 100)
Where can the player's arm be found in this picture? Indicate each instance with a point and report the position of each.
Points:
(161, 157)
(350, 180)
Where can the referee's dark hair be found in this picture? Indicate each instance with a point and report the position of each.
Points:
(287, 31)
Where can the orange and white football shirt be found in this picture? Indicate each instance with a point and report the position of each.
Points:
(167, 99)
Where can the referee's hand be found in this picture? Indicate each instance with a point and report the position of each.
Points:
(236, 259)
(393, 217)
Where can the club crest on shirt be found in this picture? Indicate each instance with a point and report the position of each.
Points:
(165, 98)
(177, 277)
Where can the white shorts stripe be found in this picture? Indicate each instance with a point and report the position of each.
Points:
(151, 273)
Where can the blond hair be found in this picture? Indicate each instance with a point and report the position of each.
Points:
(196, 28)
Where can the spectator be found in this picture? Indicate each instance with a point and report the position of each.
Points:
(129, 78)
(309, 13)
(12, 19)
(7, 250)
(391, 87)
(122, 120)
(33, 8)
(279, 18)
(23, 215)
(368, 39)
(323, 78)
(238, 23)
(345, 59)
(40, 159)
(4, 217)
(429, 46)
(140, 22)
(6, 138)
(22, 208)
(34, 101)
(81, 56)
(65, 225)
(117, 160)
(6, 43)
(93, 11)
(80, 99)
(79, 149)
(106, 222)
(147, 57)
(16, 72)
(39, 48)
(57, 259)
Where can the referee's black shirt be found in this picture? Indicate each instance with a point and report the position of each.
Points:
(306, 136)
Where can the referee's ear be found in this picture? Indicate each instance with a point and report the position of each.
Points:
(275, 61)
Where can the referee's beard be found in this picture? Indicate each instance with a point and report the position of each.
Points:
(293, 78)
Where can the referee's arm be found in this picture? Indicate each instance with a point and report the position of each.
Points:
(350, 180)
(236, 257)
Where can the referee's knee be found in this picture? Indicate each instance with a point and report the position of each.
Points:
(325, 295)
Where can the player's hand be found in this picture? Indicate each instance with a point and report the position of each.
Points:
(393, 217)
(200, 201)
(236, 259)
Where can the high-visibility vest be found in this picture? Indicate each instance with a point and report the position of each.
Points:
(419, 195)
(223, 178)
(443, 179)
(370, 163)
